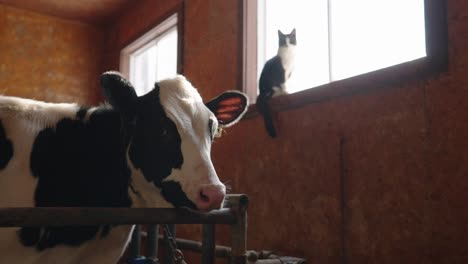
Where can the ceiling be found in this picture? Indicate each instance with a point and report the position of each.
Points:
(89, 11)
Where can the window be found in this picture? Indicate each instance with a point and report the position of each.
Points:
(153, 56)
(339, 39)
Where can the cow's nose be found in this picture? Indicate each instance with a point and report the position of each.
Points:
(211, 197)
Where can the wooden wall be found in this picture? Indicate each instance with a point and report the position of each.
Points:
(48, 58)
(378, 177)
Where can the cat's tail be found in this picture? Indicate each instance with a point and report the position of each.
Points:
(264, 109)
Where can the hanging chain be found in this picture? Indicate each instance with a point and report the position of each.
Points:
(171, 241)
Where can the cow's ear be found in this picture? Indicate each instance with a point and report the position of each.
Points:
(118, 91)
(229, 107)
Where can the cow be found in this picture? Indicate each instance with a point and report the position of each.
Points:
(133, 151)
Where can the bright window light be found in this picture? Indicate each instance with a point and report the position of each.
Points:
(152, 57)
(309, 18)
(338, 39)
(367, 35)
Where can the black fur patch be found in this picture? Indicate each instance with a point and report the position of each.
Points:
(156, 145)
(172, 191)
(272, 75)
(47, 237)
(80, 115)
(79, 164)
(6, 148)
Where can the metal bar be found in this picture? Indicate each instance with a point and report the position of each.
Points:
(208, 244)
(135, 245)
(225, 253)
(269, 261)
(169, 252)
(152, 240)
(196, 246)
(239, 230)
(70, 216)
(234, 215)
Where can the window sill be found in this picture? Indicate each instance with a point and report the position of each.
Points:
(381, 79)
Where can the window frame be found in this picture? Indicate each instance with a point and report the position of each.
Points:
(153, 33)
(435, 61)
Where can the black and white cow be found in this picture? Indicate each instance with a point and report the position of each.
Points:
(148, 151)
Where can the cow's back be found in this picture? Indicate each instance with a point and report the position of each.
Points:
(20, 122)
(25, 124)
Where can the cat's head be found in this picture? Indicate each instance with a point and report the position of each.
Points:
(287, 39)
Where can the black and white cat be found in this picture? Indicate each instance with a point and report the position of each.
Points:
(275, 73)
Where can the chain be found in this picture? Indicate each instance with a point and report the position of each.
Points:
(171, 241)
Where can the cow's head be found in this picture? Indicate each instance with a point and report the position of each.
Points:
(170, 144)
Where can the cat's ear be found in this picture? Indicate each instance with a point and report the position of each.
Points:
(280, 34)
(229, 107)
(293, 32)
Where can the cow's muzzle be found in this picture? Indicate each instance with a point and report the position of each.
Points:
(210, 197)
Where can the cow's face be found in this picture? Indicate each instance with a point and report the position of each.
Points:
(170, 147)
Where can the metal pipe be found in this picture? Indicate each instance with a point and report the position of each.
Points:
(208, 244)
(135, 244)
(169, 253)
(152, 240)
(235, 215)
(196, 246)
(269, 261)
(239, 230)
(70, 216)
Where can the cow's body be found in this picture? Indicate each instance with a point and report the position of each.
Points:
(150, 151)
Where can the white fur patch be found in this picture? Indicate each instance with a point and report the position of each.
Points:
(288, 57)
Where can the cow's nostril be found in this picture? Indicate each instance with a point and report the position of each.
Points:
(204, 197)
(210, 197)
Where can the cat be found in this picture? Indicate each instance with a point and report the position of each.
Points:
(275, 73)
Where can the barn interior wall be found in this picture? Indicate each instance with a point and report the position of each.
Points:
(49, 58)
(376, 177)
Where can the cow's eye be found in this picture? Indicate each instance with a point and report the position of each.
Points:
(212, 129)
(164, 132)
(215, 131)
(219, 132)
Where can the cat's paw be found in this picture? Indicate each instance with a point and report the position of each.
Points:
(279, 91)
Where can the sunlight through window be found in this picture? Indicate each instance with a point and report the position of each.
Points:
(152, 57)
(338, 39)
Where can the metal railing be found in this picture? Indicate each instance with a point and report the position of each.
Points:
(235, 215)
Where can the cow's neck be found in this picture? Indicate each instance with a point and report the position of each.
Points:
(144, 193)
